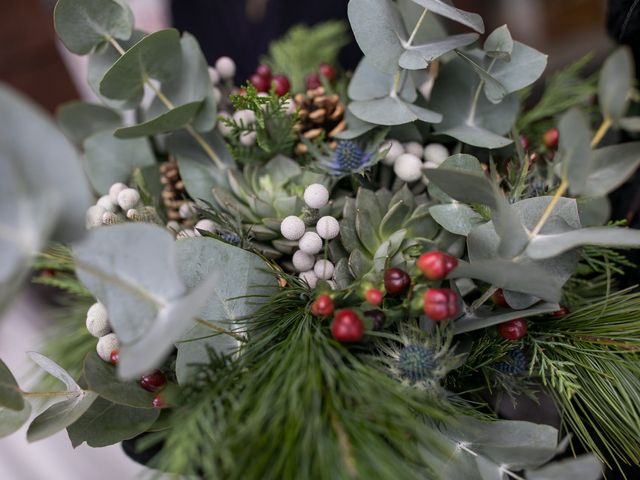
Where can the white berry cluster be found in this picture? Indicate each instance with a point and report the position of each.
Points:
(407, 159)
(205, 225)
(98, 326)
(119, 204)
(308, 259)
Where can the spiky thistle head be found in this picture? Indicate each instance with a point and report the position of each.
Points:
(515, 364)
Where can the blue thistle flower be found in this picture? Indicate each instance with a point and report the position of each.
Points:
(416, 363)
(515, 365)
(229, 237)
(348, 158)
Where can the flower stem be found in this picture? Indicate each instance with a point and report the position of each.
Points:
(51, 394)
(604, 128)
(219, 329)
(417, 27)
(564, 185)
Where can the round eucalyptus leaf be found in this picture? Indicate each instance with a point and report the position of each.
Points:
(575, 150)
(10, 395)
(616, 80)
(59, 416)
(174, 119)
(594, 211)
(499, 44)
(79, 120)
(548, 246)
(369, 83)
(610, 167)
(391, 111)
(456, 217)
(418, 57)
(12, 420)
(84, 24)
(584, 467)
(439, 7)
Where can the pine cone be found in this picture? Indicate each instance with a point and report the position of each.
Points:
(174, 194)
(319, 113)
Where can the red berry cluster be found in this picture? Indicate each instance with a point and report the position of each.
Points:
(347, 326)
(263, 80)
(314, 80)
(151, 382)
(436, 265)
(513, 329)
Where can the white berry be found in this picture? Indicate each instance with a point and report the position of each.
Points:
(128, 198)
(310, 243)
(106, 203)
(245, 117)
(292, 228)
(248, 139)
(408, 167)
(395, 150)
(302, 261)
(187, 210)
(323, 269)
(226, 67)
(217, 95)
(98, 320)
(94, 216)
(206, 225)
(107, 344)
(224, 129)
(214, 76)
(290, 106)
(435, 154)
(310, 277)
(114, 191)
(316, 195)
(414, 148)
(328, 227)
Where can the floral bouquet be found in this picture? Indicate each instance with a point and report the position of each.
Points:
(329, 275)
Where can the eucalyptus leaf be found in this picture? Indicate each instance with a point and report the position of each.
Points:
(157, 56)
(59, 416)
(499, 44)
(594, 211)
(456, 217)
(519, 301)
(418, 57)
(493, 89)
(102, 378)
(584, 467)
(174, 119)
(109, 160)
(12, 420)
(376, 25)
(488, 469)
(610, 167)
(106, 423)
(439, 7)
(614, 87)
(630, 124)
(355, 127)
(10, 394)
(229, 301)
(52, 368)
(575, 150)
(368, 83)
(548, 246)
(484, 317)
(392, 111)
(79, 120)
(84, 24)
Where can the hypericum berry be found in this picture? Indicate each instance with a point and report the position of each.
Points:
(158, 402)
(98, 320)
(310, 243)
(563, 312)
(114, 358)
(292, 228)
(408, 167)
(377, 318)
(440, 304)
(107, 344)
(302, 261)
(513, 329)
(313, 81)
(322, 306)
(316, 195)
(347, 327)
(395, 149)
(435, 154)
(328, 227)
(524, 141)
(226, 67)
(498, 298)
(261, 84)
(396, 281)
(128, 198)
(264, 71)
(281, 85)
(327, 71)
(436, 265)
(154, 381)
(551, 138)
(323, 269)
(374, 296)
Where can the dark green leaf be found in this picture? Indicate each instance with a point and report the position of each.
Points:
(614, 87)
(79, 120)
(10, 395)
(106, 423)
(84, 24)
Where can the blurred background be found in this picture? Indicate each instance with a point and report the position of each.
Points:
(34, 62)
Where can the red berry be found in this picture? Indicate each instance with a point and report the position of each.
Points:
(281, 85)
(563, 312)
(377, 318)
(347, 327)
(440, 304)
(513, 329)
(327, 71)
(524, 141)
(436, 265)
(47, 272)
(498, 298)
(373, 296)
(153, 381)
(158, 402)
(551, 138)
(313, 81)
(261, 84)
(264, 71)
(322, 306)
(114, 358)
(396, 281)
